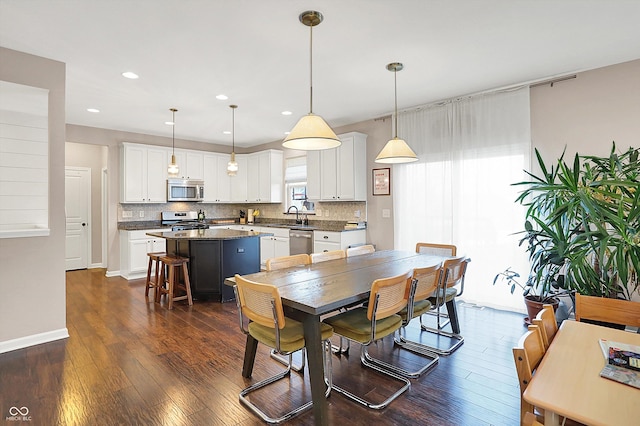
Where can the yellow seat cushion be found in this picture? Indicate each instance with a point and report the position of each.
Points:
(355, 325)
(450, 293)
(291, 336)
(419, 308)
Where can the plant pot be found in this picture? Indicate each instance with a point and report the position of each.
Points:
(534, 306)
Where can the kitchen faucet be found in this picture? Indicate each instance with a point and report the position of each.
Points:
(298, 221)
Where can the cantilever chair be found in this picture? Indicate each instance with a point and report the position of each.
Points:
(425, 284)
(283, 262)
(367, 324)
(546, 322)
(451, 277)
(360, 250)
(436, 249)
(527, 355)
(623, 312)
(327, 255)
(261, 304)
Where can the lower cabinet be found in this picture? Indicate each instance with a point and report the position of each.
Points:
(276, 245)
(134, 246)
(328, 241)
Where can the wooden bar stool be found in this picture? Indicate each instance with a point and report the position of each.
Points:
(173, 282)
(153, 258)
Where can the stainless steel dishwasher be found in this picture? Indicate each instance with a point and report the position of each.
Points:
(300, 242)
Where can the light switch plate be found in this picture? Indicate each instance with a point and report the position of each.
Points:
(386, 212)
(141, 214)
(127, 213)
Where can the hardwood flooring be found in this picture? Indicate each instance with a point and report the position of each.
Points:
(129, 361)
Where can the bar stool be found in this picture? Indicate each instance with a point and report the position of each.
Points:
(153, 258)
(173, 283)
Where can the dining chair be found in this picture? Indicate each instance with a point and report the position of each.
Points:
(451, 278)
(261, 305)
(546, 321)
(530, 419)
(282, 262)
(360, 250)
(527, 355)
(327, 255)
(368, 324)
(436, 249)
(425, 283)
(616, 311)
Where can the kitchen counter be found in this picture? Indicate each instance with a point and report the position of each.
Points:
(207, 234)
(315, 225)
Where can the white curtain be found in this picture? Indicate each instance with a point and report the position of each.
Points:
(459, 191)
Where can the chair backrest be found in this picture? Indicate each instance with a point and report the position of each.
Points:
(531, 420)
(427, 281)
(359, 250)
(546, 321)
(527, 355)
(392, 294)
(623, 312)
(453, 272)
(282, 262)
(327, 255)
(257, 302)
(436, 249)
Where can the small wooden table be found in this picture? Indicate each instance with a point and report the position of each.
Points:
(316, 289)
(568, 383)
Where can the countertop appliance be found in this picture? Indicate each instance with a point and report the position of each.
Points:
(185, 190)
(181, 221)
(300, 242)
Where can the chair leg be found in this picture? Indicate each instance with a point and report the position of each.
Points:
(284, 360)
(438, 330)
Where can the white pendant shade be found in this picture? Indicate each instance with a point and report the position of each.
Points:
(173, 168)
(232, 165)
(396, 151)
(311, 133)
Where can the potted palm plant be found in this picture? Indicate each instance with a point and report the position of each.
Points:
(582, 225)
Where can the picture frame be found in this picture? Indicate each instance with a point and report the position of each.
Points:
(381, 181)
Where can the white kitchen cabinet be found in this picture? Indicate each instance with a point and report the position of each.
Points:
(134, 246)
(276, 245)
(239, 181)
(328, 240)
(143, 177)
(217, 184)
(339, 174)
(264, 179)
(190, 163)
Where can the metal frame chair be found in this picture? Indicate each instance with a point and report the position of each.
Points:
(261, 304)
(360, 250)
(366, 325)
(327, 255)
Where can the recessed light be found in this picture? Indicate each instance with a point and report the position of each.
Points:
(222, 97)
(93, 110)
(286, 113)
(227, 132)
(286, 133)
(130, 74)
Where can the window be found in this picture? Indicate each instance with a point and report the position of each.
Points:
(295, 183)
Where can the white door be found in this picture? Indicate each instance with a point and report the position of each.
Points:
(77, 190)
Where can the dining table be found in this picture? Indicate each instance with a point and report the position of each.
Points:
(567, 382)
(309, 291)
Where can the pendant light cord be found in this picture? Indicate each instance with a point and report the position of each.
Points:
(311, 69)
(233, 129)
(395, 91)
(173, 133)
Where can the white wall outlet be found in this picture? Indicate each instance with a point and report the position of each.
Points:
(319, 212)
(356, 213)
(326, 213)
(127, 213)
(386, 212)
(141, 214)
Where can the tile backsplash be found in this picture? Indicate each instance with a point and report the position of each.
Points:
(324, 211)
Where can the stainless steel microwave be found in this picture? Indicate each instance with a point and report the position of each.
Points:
(185, 190)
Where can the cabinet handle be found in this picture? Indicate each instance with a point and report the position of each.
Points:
(326, 237)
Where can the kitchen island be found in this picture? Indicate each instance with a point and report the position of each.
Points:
(214, 254)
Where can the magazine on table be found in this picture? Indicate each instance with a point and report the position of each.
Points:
(622, 362)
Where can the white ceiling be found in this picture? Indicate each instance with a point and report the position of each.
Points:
(257, 52)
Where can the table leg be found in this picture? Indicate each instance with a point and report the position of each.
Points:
(313, 342)
(249, 356)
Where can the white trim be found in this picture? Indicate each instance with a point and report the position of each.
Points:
(34, 339)
(110, 274)
(104, 207)
(95, 266)
(24, 233)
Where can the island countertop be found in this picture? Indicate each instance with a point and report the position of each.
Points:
(207, 234)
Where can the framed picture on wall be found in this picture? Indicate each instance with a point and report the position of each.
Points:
(381, 181)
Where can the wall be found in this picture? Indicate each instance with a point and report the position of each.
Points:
(33, 301)
(93, 157)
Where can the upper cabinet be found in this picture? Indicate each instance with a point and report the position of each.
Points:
(264, 179)
(143, 177)
(189, 162)
(339, 174)
(239, 181)
(217, 184)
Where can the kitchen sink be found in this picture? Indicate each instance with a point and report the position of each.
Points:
(290, 226)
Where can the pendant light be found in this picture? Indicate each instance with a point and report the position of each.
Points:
(232, 165)
(396, 150)
(311, 132)
(173, 168)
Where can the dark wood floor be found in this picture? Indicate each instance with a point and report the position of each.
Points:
(130, 361)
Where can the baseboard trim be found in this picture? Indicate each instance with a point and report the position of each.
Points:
(34, 339)
(110, 274)
(96, 266)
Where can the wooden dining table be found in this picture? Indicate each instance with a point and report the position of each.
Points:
(313, 290)
(567, 382)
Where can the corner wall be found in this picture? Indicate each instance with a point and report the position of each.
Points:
(33, 301)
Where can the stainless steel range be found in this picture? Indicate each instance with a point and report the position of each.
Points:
(181, 221)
